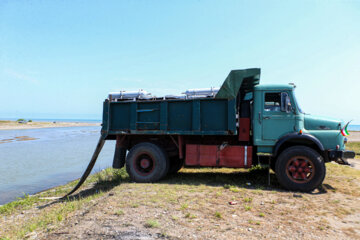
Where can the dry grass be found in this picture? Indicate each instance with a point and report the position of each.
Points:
(354, 146)
(192, 204)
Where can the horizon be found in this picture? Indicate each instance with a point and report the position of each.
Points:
(61, 59)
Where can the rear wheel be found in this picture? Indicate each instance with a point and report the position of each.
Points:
(147, 162)
(300, 168)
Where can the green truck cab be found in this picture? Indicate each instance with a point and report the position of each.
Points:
(241, 125)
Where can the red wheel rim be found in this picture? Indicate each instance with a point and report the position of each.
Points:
(144, 164)
(300, 169)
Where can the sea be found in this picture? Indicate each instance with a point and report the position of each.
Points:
(354, 128)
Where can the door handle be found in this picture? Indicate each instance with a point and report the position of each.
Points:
(259, 117)
(266, 117)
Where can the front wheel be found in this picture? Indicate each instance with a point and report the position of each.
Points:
(147, 162)
(300, 168)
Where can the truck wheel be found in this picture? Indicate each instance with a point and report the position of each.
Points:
(175, 165)
(119, 157)
(300, 168)
(147, 162)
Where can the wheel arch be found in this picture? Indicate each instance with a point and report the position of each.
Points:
(296, 139)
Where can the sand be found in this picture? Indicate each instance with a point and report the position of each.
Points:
(354, 137)
(8, 125)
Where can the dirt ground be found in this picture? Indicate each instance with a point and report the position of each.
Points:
(200, 204)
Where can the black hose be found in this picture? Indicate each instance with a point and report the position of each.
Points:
(89, 167)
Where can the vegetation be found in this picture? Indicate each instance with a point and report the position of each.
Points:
(354, 146)
(22, 203)
(151, 223)
(192, 193)
(218, 215)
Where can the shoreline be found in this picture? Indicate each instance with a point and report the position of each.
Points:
(109, 199)
(14, 125)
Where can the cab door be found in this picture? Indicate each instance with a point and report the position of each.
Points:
(276, 119)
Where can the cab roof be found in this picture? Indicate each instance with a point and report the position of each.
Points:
(263, 87)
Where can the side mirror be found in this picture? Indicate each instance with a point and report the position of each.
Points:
(285, 102)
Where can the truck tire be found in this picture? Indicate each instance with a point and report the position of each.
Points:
(147, 162)
(300, 168)
(175, 165)
(119, 157)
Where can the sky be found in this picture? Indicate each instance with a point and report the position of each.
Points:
(60, 59)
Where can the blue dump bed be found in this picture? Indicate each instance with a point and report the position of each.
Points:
(207, 116)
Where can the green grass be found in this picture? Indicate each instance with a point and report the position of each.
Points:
(248, 200)
(247, 207)
(218, 214)
(151, 224)
(184, 206)
(20, 204)
(119, 212)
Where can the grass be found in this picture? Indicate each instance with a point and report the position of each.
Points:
(247, 207)
(151, 224)
(61, 210)
(354, 146)
(218, 214)
(184, 206)
(22, 203)
(195, 193)
(248, 199)
(119, 212)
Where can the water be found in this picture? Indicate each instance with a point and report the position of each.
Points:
(55, 157)
(354, 127)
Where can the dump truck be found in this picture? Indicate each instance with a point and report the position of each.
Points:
(239, 125)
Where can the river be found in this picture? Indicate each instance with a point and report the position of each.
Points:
(33, 160)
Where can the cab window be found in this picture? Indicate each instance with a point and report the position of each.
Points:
(272, 102)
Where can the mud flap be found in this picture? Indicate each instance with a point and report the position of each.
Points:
(342, 161)
(119, 157)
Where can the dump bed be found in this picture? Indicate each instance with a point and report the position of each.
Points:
(187, 117)
(200, 116)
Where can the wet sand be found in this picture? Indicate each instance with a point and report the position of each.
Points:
(8, 125)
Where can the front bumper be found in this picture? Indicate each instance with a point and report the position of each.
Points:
(334, 155)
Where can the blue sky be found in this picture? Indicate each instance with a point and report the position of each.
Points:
(59, 59)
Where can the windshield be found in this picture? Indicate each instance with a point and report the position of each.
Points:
(297, 103)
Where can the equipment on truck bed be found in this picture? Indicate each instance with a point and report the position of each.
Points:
(125, 95)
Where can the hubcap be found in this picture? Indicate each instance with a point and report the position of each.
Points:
(144, 164)
(300, 169)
